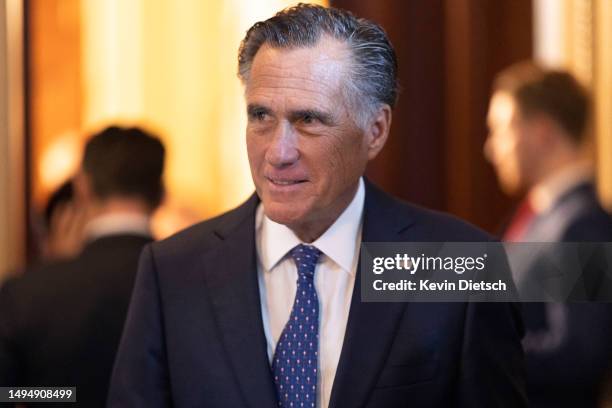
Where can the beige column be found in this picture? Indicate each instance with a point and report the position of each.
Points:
(603, 97)
(575, 34)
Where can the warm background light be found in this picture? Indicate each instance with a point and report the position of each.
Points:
(60, 160)
(575, 35)
(167, 65)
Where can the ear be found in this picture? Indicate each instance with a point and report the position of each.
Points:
(544, 130)
(377, 131)
(81, 184)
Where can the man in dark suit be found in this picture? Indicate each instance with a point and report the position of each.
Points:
(60, 324)
(261, 306)
(538, 120)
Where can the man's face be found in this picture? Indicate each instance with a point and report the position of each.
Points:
(511, 147)
(305, 151)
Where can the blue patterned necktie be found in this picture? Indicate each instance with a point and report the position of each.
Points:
(295, 360)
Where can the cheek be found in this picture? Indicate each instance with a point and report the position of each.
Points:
(503, 147)
(255, 151)
(523, 150)
(337, 167)
(347, 160)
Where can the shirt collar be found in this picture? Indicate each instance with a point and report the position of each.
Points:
(544, 195)
(117, 223)
(340, 242)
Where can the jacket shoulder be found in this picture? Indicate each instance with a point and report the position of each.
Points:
(206, 235)
(589, 221)
(422, 224)
(592, 225)
(445, 227)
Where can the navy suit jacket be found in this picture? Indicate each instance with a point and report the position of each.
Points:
(572, 372)
(194, 334)
(60, 324)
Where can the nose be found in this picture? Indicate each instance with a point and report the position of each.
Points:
(283, 150)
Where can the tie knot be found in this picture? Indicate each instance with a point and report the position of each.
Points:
(306, 258)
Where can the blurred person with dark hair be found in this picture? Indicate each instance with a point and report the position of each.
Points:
(261, 306)
(538, 122)
(60, 324)
(63, 224)
(61, 196)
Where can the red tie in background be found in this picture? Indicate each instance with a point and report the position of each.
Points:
(520, 222)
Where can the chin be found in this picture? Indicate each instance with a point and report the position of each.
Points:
(286, 213)
(511, 188)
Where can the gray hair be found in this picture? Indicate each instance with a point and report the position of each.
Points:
(373, 69)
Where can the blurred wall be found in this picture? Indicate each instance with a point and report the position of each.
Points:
(12, 155)
(448, 51)
(603, 97)
(55, 100)
(168, 65)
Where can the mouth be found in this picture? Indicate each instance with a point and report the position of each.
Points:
(285, 181)
(281, 182)
(286, 185)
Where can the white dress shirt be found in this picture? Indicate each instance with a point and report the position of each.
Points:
(334, 281)
(117, 223)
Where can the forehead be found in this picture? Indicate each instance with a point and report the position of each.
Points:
(304, 72)
(502, 108)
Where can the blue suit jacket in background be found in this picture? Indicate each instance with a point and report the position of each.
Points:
(571, 371)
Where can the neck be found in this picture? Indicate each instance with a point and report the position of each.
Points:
(557, 162)
(310, 231)
(119, 206)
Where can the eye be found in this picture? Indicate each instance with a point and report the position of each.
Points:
(257, 115)
(308, 119)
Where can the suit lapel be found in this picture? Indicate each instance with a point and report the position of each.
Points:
(233, 289)
(371, 327)
(231, 280)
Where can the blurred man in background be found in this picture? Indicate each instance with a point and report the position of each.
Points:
(63, 222)
(537, 145)
(60, 325)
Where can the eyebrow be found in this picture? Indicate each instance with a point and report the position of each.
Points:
(253, 109)
(323, 117)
